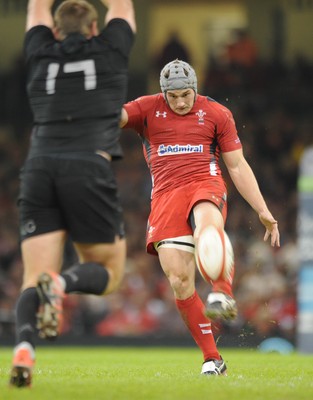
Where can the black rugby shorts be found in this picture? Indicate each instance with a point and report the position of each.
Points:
(72, 192)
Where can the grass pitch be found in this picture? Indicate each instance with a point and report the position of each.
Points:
(92, 373)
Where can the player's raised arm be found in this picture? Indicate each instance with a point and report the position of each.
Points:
(120, 9)
(246, 184)
(39, 13)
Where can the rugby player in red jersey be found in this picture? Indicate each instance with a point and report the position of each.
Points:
(183, 135)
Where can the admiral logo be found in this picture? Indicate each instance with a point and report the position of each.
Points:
(171, 150)
(161, 114)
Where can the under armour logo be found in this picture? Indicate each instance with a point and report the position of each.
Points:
(161, 114)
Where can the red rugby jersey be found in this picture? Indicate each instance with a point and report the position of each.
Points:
(179, 149)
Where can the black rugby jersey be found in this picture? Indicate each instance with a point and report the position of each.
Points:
(76, 88)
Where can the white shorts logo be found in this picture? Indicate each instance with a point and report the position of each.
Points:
(28, 227)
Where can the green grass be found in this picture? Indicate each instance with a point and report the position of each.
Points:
(92, 373)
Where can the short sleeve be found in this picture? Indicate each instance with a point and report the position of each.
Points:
(135, 115)
(228, 138)
(35, 38)
(119, 34)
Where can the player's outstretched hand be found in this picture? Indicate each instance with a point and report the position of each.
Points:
(271, 226)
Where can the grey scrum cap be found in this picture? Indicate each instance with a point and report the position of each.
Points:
(178, 75)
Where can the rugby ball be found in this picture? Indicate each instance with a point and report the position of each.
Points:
(214, 255)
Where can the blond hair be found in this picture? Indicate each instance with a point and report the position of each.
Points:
(74, 16)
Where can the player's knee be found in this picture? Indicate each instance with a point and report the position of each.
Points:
(180, 283)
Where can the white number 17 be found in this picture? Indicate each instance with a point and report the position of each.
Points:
(87, 67)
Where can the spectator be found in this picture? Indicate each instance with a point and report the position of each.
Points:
(173, 48)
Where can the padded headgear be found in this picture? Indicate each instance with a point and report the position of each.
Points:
(178, 75)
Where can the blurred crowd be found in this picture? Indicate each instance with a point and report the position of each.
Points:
(271, 103)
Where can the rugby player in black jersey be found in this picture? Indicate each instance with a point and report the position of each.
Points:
(76, 84)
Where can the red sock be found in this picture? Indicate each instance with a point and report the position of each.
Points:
(192, 312)
(223, 285)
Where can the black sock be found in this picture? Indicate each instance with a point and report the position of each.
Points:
(26, 310)
(89, 278)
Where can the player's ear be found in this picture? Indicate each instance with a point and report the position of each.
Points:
(56, 33)
(94, 28)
